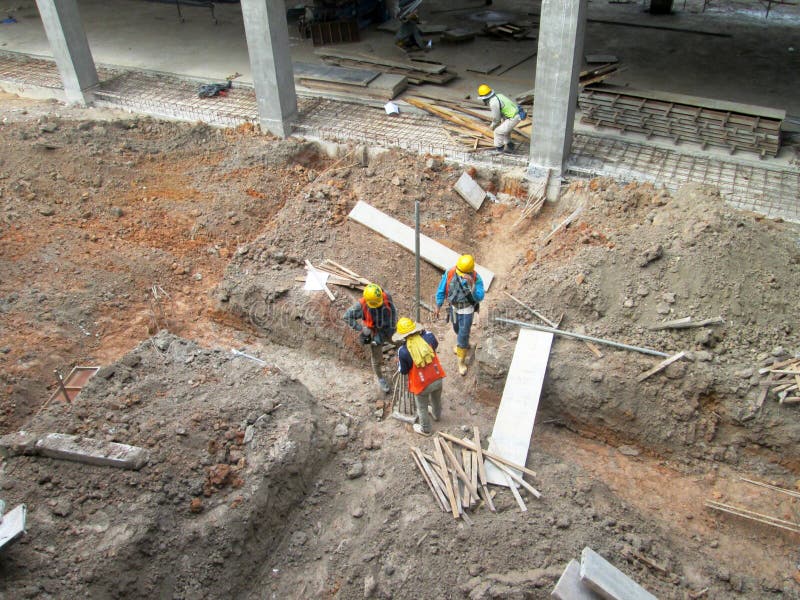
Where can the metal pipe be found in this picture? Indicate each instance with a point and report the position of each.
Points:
(416, 253)
(62, 387)
(579, 336)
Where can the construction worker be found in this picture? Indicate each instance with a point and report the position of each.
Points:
(462, 287)
(506, 114)
(417, 359)
(378, 316)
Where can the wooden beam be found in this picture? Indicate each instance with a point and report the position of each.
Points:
(442, 506)
(431, 251)
(754, 516)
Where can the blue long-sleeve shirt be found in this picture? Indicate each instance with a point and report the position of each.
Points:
(404, 356)
(478, 293)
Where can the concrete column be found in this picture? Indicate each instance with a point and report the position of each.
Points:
(64, 30)
(271, 63)
(558, 65)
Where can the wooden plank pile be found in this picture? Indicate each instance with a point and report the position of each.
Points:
(456, 474)
(416, 72)
(598, 73)
(782, 379)
(468, 127)
(370, 83)
(509, 31)
(684, 118)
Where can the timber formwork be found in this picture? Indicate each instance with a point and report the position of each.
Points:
(731, 127)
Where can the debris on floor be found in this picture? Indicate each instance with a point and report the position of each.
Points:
(416, 72)
(783, 379)
(456, 474)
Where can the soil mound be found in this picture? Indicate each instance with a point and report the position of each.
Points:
(635, 257)
(232, 447)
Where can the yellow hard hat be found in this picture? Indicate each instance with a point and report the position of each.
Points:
(405, 325)
(466, 263)
(484, 91)
(373, 294)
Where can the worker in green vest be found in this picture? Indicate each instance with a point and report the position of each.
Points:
(506, 114)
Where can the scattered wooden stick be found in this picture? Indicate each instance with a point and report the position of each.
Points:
(563, 224)
(482, 470)
(686, 323)
(515, 492)
(459, 471)
(439, 501)
(754, 516)
(437, 445)
(661, 366)
(772, 487)
(534, 492)
(486, 453)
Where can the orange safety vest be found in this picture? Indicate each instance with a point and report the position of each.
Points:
(421, 377)
(471, 277)
(366, 315)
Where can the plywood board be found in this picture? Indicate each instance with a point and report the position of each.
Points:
(12, 525)
(604, 578)
(470, 191)
(513, 425)
(332, 74)
(569, 586)
(430, 250)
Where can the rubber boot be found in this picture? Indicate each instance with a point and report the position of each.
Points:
(462, 365)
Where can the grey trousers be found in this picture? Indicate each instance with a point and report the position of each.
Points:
(502, 133)
(376, 358)
(433, 395)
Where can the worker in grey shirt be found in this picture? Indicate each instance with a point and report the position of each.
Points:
(374, 316)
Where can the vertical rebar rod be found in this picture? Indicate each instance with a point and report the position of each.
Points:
(416, 254)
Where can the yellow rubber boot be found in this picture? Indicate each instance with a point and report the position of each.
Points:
(462, 356)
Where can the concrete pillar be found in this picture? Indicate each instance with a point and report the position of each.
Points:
(64, 30)
(558, 65)
(271, 63)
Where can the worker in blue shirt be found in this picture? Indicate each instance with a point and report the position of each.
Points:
(462, 287)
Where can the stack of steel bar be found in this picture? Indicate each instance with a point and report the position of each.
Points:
(684, 118)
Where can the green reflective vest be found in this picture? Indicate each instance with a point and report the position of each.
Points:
(508, 108)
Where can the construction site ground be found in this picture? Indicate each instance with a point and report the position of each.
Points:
(152, 248)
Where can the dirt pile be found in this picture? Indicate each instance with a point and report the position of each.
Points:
(260, 283)
(635, 257)
(232, 449)
(95, 213)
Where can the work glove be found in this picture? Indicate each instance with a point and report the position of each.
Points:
(436, 312)
(365, 337)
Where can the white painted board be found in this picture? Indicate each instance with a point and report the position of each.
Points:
(570, 587)
(431, 251)
(470, 191)
(513, 426)
(609, 582)
(12, 525)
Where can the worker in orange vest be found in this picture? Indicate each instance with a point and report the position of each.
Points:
(417, 358)
(462, 287)
(374, 316)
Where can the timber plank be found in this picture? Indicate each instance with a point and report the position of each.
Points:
(513, 426)
(431, 251)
